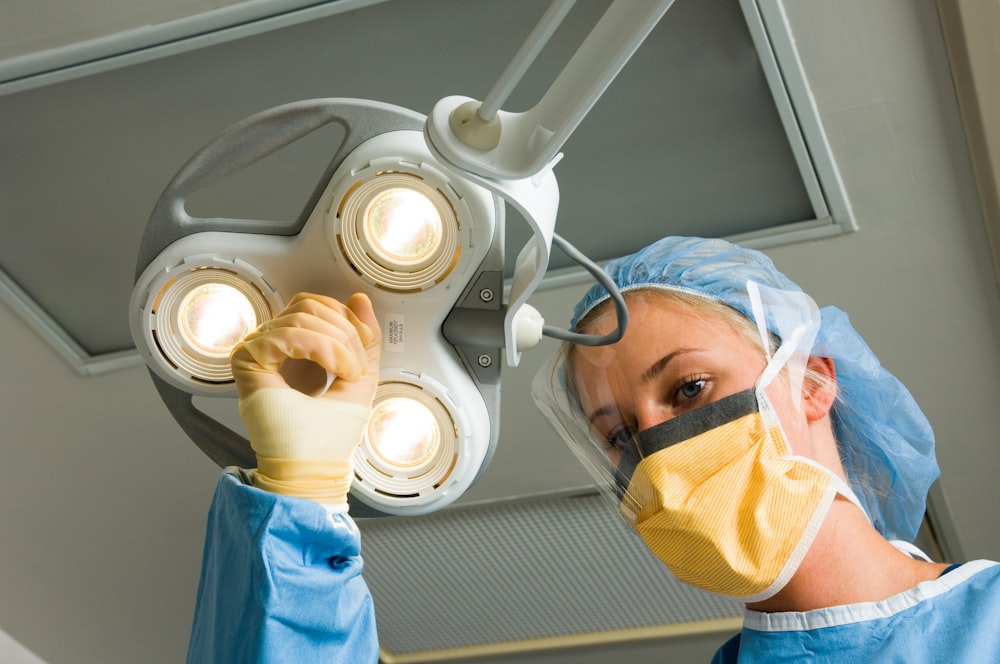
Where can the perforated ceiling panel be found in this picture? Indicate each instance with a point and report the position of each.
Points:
(524, 575)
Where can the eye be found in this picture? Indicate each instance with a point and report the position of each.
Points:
(690, 389)
(618, 439)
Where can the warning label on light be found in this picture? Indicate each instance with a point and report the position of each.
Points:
(394, 333)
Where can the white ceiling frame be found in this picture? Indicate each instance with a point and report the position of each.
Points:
(151, 42)
(797, 109)
(786, 76)
(970, 29)
(56, 336)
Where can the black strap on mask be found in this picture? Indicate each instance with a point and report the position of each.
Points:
(681, 428)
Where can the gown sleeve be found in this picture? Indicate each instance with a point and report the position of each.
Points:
(280, 582)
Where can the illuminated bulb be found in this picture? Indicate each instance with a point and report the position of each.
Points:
(403, 432)
(215, 317)
(403, 225)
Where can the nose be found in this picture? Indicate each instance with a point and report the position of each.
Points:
(650, 414)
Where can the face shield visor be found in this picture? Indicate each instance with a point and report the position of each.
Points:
(590, 396)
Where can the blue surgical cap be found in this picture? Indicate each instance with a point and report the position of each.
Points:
(885, 441)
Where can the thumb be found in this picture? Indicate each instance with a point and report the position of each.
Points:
(370, 333)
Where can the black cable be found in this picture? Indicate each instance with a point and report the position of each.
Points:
(609, 285)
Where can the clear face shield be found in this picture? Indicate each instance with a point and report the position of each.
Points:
(689, 371)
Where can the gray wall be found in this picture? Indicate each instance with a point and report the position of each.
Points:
(917, 279)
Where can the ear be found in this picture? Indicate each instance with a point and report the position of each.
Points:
(819, 389)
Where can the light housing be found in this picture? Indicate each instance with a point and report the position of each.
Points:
(429, 448)
(192, 312)
(399, 232)
(345, 242)
(398, 225)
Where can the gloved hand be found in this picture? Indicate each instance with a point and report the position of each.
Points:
(304, 443)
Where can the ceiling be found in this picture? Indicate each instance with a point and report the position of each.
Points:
(717, 117)
(103, 145)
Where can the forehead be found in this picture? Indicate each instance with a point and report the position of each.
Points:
(653, 310)
(658, 325)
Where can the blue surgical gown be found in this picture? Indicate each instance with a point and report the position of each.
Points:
(955, 618)
(280, 582)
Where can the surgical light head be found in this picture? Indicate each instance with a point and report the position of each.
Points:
(203, 308)
(388, 220)
(410, 213)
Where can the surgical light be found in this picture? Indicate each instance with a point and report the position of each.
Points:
(414, 443)
(403, 432)
(413, 215)
(387, 220)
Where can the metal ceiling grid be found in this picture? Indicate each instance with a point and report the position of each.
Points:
(516, 576)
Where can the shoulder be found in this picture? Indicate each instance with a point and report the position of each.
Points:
(976, 584)
(952, 618)
(729, 652)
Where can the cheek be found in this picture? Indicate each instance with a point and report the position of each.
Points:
(793, 420)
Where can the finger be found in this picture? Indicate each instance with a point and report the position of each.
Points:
(361, 306)
(275, 353)
(267, 350)
(340, 315)
(336, 328)
(333, 310)
(319, 319)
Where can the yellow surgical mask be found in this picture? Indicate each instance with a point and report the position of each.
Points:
(720, 499)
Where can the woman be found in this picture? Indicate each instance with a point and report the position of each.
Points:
(761, 452)
(754, 442)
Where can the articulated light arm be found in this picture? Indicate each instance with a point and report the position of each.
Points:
(512, 154)
(479, 138)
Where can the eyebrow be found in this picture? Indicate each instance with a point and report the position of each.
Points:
(649, 374)
(654, 370)
(601, 412)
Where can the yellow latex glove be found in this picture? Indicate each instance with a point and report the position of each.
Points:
(304, 443)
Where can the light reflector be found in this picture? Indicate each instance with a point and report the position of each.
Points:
(399, 231)
(402, 227)
(187, 317)
(410, 449)
(200, 315)
(215, 317)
